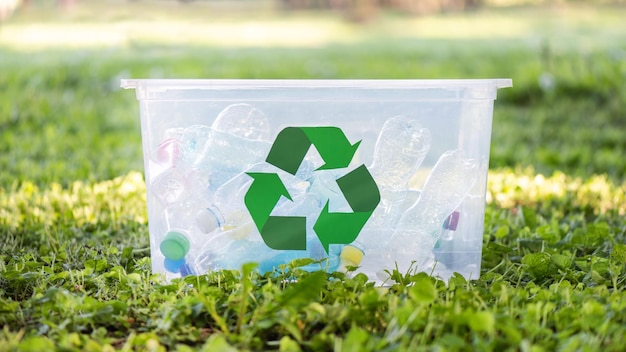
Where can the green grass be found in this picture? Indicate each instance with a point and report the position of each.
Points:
(74, 258)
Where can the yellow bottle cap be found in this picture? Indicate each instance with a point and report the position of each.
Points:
(351, 255)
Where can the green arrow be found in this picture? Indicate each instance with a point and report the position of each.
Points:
(292, 144)
(341, 228)
(360, 189)
(278, 232)
(289, 149)
(285, 232)
(361, 192)
(332, 145)
(262, 196)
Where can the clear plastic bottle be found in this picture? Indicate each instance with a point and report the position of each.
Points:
(420, 226)
(192, 142)
(447, 185)
(169, 152)
(223, 251)
(169, 181)
(400, 149)
(325, 188)
(238, 138)
(184, 230)
(227, 209)
(177, 239)
(232, 238)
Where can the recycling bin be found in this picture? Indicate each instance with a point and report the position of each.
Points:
(359, 176)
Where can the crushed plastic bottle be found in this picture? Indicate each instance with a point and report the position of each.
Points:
(184, 230)
(171, 183)
(419, 228)
(176, 242)
(238, 138)
(232, 237)
(325, 188)
(169, 152)
(221, 251)
(192, 142)
(400, 150)
(227, 209)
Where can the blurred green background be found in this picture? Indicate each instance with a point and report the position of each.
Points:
(63, 116)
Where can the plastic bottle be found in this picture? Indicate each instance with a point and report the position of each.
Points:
(184, 229)
(178, 231)
(170, 183)
(222, 251)
(227, 209)
(169, 151)
(225, 250)
(325, 188)
(231, 240)
(192, 142)
(420, 226)
(400, 150)
(309, 203)
(238, 138)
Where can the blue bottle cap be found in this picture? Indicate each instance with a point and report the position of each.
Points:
(173, 266)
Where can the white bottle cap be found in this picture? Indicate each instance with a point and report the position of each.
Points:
(206, 221)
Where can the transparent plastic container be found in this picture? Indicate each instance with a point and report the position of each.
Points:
(372, 174)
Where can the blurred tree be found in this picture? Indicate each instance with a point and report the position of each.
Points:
(66, 4)
(363, 10)
(7, 7)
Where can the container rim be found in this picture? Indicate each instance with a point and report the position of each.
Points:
(313, 83)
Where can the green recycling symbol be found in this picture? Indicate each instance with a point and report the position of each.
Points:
(287, 153)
